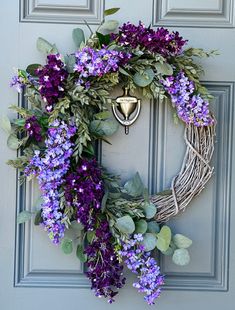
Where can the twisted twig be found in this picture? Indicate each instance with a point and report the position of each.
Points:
(193, 176)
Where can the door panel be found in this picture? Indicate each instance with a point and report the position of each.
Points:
(34, 273)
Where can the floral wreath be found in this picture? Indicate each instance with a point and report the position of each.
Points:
(68, 112)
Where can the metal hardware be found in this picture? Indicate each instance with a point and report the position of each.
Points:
(126, 105)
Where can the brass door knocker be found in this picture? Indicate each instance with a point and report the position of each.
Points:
(126, 105)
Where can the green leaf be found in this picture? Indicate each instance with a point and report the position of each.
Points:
(181, 241)
(149, 210)
(146, 195)
(123, 71)
(143, 79)
(104, 200)
(111, 11)
(104, 128)
(110, 25)
(90, 235)
(164, 238)
(89, 149)
(67, 246)
(23, 217)
(38, 218)
(181, 257)
(78, 36)
(70, 62)
(149, 242)
(77, 227)
(31, 69)
(141, 227)
(19, 122)
(168, 252)
(13, 142)
(134, 187)
(45, 47)
(164, 68)
(80, 253)
(125, 224)
(104, 39)
(103, 115)
(153, 227)
(5, 124)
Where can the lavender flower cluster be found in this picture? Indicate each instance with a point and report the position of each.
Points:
(90, 62)
(84, 190)
(22, 79)
(50, 170)
(160, 41)
(33, 128)
(52, 78)
(104, 268)
(192, 109)
(139, 262)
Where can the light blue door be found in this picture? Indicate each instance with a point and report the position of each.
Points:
(34, 274)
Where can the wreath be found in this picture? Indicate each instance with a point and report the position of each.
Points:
(68, 113)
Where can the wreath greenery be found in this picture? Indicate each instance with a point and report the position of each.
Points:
(56, 134)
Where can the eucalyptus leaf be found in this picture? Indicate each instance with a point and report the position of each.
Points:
(23, 217)
(146, 195)
(13, 142)
(104, 127)
(164, 238)
(80, 253)
(78, 36)
(110, 25)
(67, 246)
(125, 224)
(141, 226)
(145, 78)
(150, 210)
(168, 252)
(76, 226)
(111, 11)
(181, 257)
(181, 241)
(5, 124)
(70, 62)
(153, 227)
(45, 47)
(149, 242)
(164, 68)
(134, 187)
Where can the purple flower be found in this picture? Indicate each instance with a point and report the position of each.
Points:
(191, 109)
(90, 62)
(84, 190)
(50, 170)
(52, 78)
(103, 267)
(22, 79)
(160, 41)
(144, 266)
(33, 128)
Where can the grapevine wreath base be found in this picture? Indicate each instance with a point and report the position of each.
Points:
(193, 176)
(69, 98)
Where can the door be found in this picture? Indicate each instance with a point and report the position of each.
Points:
(34, 274)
